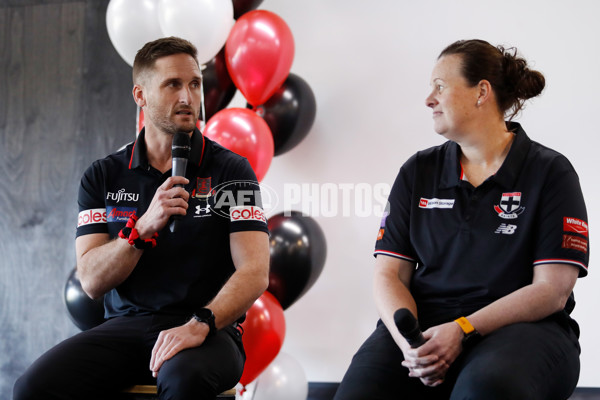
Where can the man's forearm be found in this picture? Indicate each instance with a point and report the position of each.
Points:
(237, 296)
(105, 266)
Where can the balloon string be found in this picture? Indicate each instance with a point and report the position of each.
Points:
(202, 110)
(137, 120)
(255, 387)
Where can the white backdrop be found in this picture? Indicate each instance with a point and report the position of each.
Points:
(369, 64)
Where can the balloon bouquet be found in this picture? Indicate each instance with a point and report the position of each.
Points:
(252, 51)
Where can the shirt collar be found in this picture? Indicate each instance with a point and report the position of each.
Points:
(139, 157)
(508, 172)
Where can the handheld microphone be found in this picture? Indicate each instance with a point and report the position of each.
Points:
(409, 327)
(180, 151)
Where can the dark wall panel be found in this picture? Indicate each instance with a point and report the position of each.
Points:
(65, 100)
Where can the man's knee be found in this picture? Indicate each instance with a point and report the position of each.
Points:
(186, 378)
(187, 384)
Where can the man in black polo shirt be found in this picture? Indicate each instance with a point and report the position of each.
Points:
(172, 299)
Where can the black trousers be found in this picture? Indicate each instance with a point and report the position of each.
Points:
(100, 362)
(525, 361)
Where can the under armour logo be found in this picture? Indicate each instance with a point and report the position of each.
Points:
(506, 229)
(204, 210)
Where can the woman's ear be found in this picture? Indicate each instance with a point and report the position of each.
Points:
(485, 91)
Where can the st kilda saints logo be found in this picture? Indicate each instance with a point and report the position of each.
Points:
(510, 205)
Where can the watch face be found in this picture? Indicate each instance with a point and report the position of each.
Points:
(471, 338)
(205, 313)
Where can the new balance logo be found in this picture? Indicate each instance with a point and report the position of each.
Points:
(506, 229)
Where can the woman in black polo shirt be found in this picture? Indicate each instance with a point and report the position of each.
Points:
(483, 240)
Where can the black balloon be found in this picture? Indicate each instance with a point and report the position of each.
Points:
(290, 113)
(84, 312)
(219, 89)
(241, 7)
(298, 252)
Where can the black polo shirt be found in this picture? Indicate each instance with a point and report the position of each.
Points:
(188, 267)
(472, 246)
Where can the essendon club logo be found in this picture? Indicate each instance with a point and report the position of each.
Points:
(203, 188)
(510, 205)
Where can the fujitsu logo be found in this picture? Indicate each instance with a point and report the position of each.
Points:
(122, 196)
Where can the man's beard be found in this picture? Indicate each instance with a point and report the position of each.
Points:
(165, 124)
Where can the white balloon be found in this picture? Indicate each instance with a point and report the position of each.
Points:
(131, 24)
(205, 23)
(284, 378)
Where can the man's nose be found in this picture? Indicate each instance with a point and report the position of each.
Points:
(185, 96)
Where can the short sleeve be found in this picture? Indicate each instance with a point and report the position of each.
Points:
(241, 194)
(393, 238)
(562, 235)
(92, 207)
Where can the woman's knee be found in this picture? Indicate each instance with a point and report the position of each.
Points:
(492, 384)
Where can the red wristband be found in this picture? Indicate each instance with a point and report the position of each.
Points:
(133, 237)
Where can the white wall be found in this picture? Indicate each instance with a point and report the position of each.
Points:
(369, 64)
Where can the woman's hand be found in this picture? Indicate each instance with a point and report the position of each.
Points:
(430, 362)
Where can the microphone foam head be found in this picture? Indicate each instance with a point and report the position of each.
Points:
(405, 321)
(181, 145)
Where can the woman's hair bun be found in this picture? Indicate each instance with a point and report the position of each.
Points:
(525, 83)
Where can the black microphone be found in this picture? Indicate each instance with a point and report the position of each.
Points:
(180, 151)
(408, 327)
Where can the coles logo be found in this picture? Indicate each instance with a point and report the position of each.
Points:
(247, 213)
(93, 216)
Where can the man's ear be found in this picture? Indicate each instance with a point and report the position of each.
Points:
(138, 95)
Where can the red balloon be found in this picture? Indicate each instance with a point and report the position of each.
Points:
(245, 133)
(259, 54)
(264, 331)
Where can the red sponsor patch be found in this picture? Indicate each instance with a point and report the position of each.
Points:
(575, 243)
(423, 202)
(575, 225)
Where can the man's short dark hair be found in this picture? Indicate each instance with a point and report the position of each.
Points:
(146, 57)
